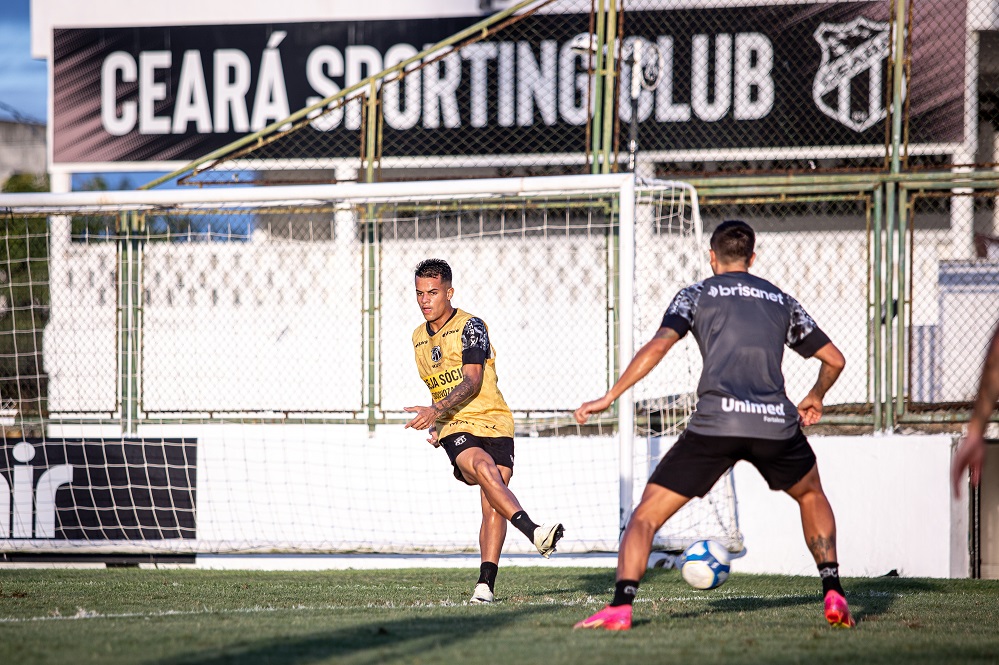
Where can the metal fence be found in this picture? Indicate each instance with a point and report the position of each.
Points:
(250, 310)
(859, 137)
(225, 370)
(269, 310)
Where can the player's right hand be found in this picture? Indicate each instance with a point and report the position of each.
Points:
(583, 413)
(970, 456)
(810, 409)
(433, 437)
(425, 417)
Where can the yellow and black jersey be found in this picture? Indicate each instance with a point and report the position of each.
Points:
(464, 339)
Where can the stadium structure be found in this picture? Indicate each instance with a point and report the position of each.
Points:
(217, 363)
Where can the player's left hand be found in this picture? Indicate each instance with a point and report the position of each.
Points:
(810, 409)
(583, 413)
(425, 417)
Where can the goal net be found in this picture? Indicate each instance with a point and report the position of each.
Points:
(671, 253)
(227, 370)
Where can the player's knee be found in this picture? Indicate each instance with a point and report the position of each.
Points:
(485, 472)
(644, 520)
(808, 487)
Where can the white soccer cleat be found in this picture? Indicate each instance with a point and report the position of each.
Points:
(481, 595)
(546, 537)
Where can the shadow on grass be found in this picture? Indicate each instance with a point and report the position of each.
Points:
(869, 597)
(411, 638)
(874, 596)
(597, 583)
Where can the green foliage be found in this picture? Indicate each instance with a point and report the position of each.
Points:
(99, 183)
(24, 309)
(20, 183)
(421, 616)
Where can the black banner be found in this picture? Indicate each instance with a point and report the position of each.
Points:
(742, 77)
(98, 489)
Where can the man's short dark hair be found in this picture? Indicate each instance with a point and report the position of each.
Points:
(434, 268)
(733, 240)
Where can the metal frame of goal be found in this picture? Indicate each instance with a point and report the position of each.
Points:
(225, 369)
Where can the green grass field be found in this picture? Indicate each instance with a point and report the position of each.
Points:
(420, 616)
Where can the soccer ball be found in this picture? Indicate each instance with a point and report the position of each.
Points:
(704, 565)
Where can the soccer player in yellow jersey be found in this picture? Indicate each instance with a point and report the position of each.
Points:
(469, 417)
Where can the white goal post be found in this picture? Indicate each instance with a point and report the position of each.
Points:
(225, 369)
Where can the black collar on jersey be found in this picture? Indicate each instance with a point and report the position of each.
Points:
(431, 333)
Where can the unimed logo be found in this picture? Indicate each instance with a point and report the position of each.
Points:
(33, 503)
(730, 404)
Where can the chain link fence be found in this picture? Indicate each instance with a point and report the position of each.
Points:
(818, 251)
(227, 375)
(840, 99)
(954, 296)
(300, 309)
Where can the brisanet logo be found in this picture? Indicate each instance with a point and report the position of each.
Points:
(743, 291)
(32, 502)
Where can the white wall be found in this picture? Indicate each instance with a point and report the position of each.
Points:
(22, 149)
(326, 487)
(893, 506)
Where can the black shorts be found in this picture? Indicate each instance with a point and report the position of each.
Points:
(695, 462)
(499, 448)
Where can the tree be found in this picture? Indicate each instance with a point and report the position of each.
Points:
(24, 302)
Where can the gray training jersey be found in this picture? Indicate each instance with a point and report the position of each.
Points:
(741, 324)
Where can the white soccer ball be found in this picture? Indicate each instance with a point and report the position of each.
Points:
(705, 564)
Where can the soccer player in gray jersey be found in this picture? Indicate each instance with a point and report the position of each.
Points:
(741, 324)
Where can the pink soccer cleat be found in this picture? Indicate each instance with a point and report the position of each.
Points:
(837, 611)
(609, 618)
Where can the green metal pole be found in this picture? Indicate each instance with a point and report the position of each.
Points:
(786, 190)
(607, 131)
(596, 121)
(371, 131)
(903, 310)
(896, 208)
(371, 240)
(889, 309)
(879, 310)
(913, 180)
(130, 251)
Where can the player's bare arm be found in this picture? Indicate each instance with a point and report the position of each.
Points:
(464, 392)
(971, 454)
(833, 362)
(650, 355)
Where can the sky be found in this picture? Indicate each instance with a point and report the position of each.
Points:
(23, 83)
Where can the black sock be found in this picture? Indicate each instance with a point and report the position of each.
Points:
(487, 574)
(524, 523)
(829, 572)
(624, 592)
